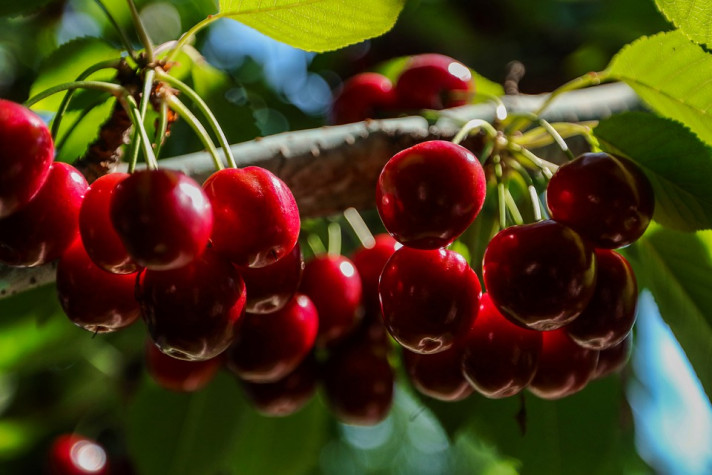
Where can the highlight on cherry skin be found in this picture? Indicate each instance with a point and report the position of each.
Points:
(73, 454)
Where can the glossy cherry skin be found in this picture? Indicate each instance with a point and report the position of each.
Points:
(47, 225)
(428, 194)
(101, 241)
(429, 298)
(541, 275)
(269, 288)
(163, 218)
(92, 298)
(564, 367)
(606, 199)
(334, 286)
(613, 359)
(25, 157)
(270, 346)
(256, 216)
(610, 314)
(499, 357)
(369, 262)
(73, 454)
(192, 312)
(364, 96)
(438, 375)
(179, 375)
(434, 81)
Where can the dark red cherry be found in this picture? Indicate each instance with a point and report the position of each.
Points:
(428, 194)
(607, 199)
(270, 346)
(613, 359)
(73, 454)
(369, 262)
(334, 286)
(100, 239)
(269, 288)
(429, 298)
(541, 275)
(25, 157)
(499, 357)
(564, 367)
(192, 312)
(47, 225)
(364, 96)
(434, 81)
(179, 375)
(609, 316)
(92, 298)
(163, 218)
(438, 375)
(256, 216)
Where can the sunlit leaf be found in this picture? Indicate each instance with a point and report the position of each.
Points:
(693, 17)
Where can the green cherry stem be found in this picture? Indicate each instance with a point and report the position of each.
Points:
(547, 168)
(589, 79)
(557, 138)
(533, 195)
(129, 104)
(141, 30)
(189, 34)
(355, 220)
(473, 126)
(109, 87)
(122, 34)
(315, 244)
(334, 232)
(501, 195)
(512, 207)
(143, 107)
(162, 128)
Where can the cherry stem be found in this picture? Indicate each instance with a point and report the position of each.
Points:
(141, 30)
(539, 137)
(109, 87)
(129, 104)
(189, 34)
(474, 125)
(162, 127)
(122, 34)
(536, 207)
(501, 198)
(588, 79)
(534, 197)
(315, 244)
(512, 207)
(545, 167)
(355, 220)
(500, 111)
(143, 107)
(334, 231)
(557, 138)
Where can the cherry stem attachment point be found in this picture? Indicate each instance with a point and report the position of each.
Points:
(472, 126)
(364, 235)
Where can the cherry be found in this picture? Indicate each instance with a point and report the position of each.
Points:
(610, 314)
(192, 312)
(26, 155)
(162, 217)
(438, 375)
(369, 262)
(256, 216)
(73, 454)
(564, 367)
(270, 346)
(434, 81)
(333, 284)
(269, 288)
(606, 198)
(541, 275)
(101, 241)
(93, 299)
(362, 97)
(47, 225)
(499, 357)
(428, 194)
(613, 359)
(179, 375)
(429, 298)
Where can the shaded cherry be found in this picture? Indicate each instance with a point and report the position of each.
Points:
(607, 199)
(192, 312)
(73, 454)
(369, 262)
(499, 357)
(428, 194)
(438, 375)
(613, 359)
(429, 298)
(163, 218)
(564, 367)
(363, 96)
(47, 225)
(92, 298)
(179, 375)
(25, 157)
(434, 81)
(541, 275)
(609, 316)
(100, 239)
(256, 216)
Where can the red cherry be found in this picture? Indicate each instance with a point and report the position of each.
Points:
(606, 199)
(333, 284)
(613, 359)
(369, 262)
(500, 358)
(438, 375)
(26, 155)
(564, 367)
(428, 194)
(270, 346)
(541, 274)
(364, 96)
(163, 218)
(101, 241)
(429, 298)
(269, 288)
(610, 315)
(93, 299)
(47, 225)
(73, 454)
(192, 312)
(434, 81)
(256, 216)
(179, 375)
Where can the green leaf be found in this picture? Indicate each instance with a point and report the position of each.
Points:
(670, 73)
(692, 17)
(83, 128)
(21, 8)
(316, 25)
(677, 164)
